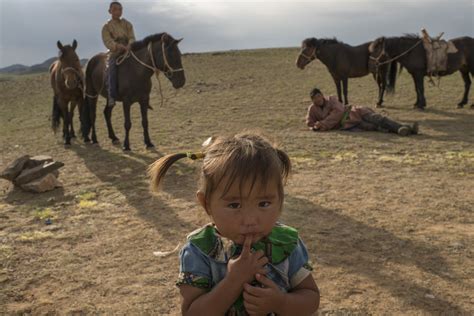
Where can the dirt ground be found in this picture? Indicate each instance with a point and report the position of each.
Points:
(388, 221)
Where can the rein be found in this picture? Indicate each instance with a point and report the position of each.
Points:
(169, 71)
(377, 63)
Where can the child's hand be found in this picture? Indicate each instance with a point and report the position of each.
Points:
(262, 301)
(245, 266)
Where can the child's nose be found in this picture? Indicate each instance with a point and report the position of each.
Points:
(249, 219)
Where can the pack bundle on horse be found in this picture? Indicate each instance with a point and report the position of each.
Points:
(409, 51)
(67, 81)
(343, 61)
(156, 53)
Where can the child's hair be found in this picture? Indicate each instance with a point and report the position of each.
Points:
(243, 157)
(314, 92)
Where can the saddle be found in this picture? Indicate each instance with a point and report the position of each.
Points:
(437, 51)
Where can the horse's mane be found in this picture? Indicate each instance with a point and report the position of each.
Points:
(144, 42)
(406, 39)
(330, 41)
(313, 42)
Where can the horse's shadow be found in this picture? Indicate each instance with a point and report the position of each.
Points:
(126, 172)
(336, 240)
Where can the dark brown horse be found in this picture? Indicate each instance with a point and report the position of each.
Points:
(343, 62)
(408, 50)
(67, 81)
(155, 53)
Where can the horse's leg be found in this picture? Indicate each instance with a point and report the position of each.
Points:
(421, 87)
(144, 104)
(108, 121)
(382, 85)
(344, 89)
(71, 118)
(417, 89)
(467, 87)
(93, 114)
(128, 123)
(338, 87)
(63, 105)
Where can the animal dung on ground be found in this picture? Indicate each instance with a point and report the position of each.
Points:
(35, 174)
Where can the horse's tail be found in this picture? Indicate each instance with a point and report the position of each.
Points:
(86, 106)
(392, 77)
(86, 117)
(56, 116)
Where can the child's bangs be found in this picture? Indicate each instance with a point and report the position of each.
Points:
(256, 169)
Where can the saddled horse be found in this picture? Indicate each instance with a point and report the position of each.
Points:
(343, 62)
(408, 50)
(67, 81)
(156, 53)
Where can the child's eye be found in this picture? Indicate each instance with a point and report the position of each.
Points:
(264, 204)
(233, 205)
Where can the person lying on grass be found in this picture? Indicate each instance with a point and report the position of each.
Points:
(328, 113)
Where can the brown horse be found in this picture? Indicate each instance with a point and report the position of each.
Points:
(67, 81)
(408, 50)
(343, 61)
(155, 53)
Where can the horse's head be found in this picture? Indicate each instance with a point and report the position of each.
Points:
(168, 60)
(308, 53)
(377, 51)
(70, 65)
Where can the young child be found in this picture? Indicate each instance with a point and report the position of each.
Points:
(245, 262)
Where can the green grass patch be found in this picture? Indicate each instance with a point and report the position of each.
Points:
(43, 213)
(35, 236)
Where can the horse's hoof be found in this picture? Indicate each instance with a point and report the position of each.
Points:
(126, 148)
(460, 106)
(116, 141)
(150, 146)
(378, 106)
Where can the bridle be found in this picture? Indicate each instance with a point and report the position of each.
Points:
(168, 69)
(76, 72)
(311, 57)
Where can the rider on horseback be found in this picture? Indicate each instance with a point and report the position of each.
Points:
(117, 35)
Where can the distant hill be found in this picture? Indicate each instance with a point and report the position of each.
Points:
(19, 69)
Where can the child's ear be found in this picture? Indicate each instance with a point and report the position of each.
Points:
(201, 197)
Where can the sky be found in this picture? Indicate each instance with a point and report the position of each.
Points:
(29, 29)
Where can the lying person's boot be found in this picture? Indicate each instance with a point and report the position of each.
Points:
(404, 130)
(414, 128)
(395, 127)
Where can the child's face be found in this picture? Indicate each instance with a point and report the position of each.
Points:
(116, 11)
(237, 214)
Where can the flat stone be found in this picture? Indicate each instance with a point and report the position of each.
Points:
(46, 183)
(29, 175)
(37, 160)
(15, 168)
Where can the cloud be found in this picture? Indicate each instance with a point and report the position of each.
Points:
(30, 28)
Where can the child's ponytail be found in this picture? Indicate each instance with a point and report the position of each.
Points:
(158, 169)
